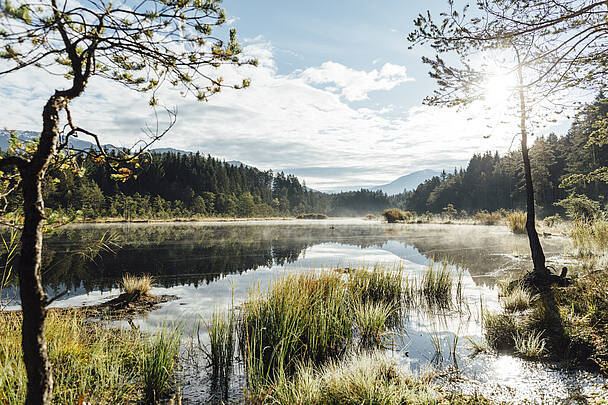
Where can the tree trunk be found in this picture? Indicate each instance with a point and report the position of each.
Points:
(33, 297)
(538, 257)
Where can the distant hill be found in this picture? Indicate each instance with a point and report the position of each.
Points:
(407, 182)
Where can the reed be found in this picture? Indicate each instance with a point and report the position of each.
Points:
(499, 330)
(377, 285)
(159, 363)
(221, 331)
(516, 221)
(302, 318)
(488, 218)
(436, 285)
(372, 320)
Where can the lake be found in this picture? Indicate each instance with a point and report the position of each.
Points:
(212, 266)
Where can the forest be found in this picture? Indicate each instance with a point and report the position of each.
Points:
(491, 182)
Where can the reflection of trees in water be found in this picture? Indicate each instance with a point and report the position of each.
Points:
(186, 254)
(177, 255)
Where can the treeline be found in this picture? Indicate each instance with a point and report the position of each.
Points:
(170, 185)
(491, 182)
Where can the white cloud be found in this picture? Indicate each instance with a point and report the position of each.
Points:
(281, 121)
(354, 84)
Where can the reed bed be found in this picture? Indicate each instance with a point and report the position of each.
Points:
(436, 285)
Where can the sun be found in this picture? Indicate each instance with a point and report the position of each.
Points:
(498, 88)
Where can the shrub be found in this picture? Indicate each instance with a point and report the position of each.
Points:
(393, 215)
(516, 221)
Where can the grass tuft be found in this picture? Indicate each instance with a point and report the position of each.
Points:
(393, 215)
(516, 221)
(372, 320)
(530, 344)
(499, 330)
(488, 218)
(159, 363)
(221, 332)
(517, 300)
(437, 282)
(137, 285)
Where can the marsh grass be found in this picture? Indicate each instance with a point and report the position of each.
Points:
(516, 221)
(373, 320)
(590, 236)
(137, 285)
(499, 330)
(222, 335)
(369, 378)
(91, 363)
(159, 363)
(436, 285)
(530, 344)
(393, 215)
(517, 299)
(377, 285)
(488, 218)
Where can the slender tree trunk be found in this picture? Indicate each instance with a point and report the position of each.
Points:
(538, 257)
(33, 297)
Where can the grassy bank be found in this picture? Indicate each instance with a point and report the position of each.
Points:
(568, 323)
(92, 363)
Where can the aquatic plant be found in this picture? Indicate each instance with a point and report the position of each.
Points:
(160, 354)
(312, 216)
(372, 320)
(221, 331)
(530, 344)
(436, 285)
(378, 284)
(304, 317)
(93, 363)
(517, 299)
(516, 221)
(137, 285)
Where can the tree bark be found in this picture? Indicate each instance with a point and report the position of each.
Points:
(33, 297)
(538, 257)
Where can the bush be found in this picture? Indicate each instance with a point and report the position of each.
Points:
(393, 215)
(516, 221)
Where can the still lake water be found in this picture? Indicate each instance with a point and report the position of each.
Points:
(210, 266)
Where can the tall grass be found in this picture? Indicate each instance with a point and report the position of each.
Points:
(516, 221)
(159, 363)
(91, 363)
(221, 331)
(530, 344)
(590, 236)
(488, 218)
(369, 378)
(378, 284)
(436, 285)
(500, 330)
(372, 320)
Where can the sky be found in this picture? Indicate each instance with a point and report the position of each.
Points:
(337, 99)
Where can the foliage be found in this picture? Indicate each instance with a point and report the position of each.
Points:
(159, 363)
(580, 207)
(312, 216)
